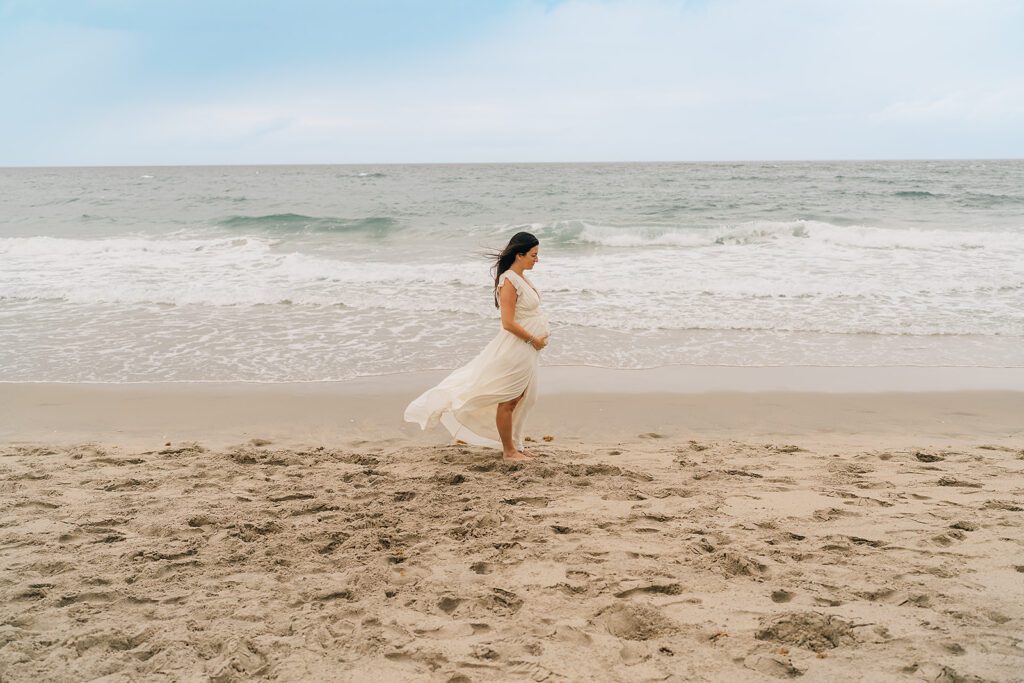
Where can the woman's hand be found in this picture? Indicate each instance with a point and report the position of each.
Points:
(540, 342)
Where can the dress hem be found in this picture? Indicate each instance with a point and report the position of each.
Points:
(461, 432)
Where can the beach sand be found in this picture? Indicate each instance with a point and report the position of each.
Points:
(819, 524)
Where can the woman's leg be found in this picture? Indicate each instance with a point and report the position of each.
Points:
(523, 404)
(503, 420)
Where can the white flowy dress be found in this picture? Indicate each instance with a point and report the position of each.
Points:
(465, 402)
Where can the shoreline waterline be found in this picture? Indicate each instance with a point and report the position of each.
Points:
(577, 404)
(672, 379)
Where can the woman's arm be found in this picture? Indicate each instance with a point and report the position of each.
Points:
(508, 297)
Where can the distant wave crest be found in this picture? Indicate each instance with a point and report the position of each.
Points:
(295, 222)
(764, 232)
(916, 194)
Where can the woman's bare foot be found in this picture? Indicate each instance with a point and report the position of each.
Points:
(529, 454)
(515, 456)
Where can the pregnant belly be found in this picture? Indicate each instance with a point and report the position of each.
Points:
(536, 325)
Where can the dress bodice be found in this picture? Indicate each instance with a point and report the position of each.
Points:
(528, 301)
(528, 312)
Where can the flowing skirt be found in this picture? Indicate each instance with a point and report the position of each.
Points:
(465, 401)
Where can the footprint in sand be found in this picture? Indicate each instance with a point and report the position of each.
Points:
(502, 601)
(991, 447)
(334, 541)
(448, 604)
(37, 504)
(810, 630)
(94, 598)
(117, 462)
(200, 521)
(129, 485)
(33, 592)
(290, 496)
(963, 483)
(657, 589)
(1003, 505)
(932, 671)
(633, 653)
(734, 564)
(572, 635)
(949, 538)
(787, 448)
(530, 501)
(635, 621)
(237, 657)
(776, 666)
(928, 457)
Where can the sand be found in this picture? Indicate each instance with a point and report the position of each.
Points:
(232, 532)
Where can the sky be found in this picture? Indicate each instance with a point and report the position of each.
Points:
(147, 82)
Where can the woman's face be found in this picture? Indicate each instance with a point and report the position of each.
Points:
(530, 258)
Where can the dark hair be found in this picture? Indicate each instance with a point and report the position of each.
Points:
(521, 243)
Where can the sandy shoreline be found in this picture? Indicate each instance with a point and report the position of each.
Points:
(915, 406)
(717, 535)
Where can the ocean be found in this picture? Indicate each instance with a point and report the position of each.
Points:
(306, 273)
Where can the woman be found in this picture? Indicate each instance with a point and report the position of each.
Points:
(492, 395)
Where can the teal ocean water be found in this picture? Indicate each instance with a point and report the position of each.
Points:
(296, 273)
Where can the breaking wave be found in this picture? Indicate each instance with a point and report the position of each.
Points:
(762, 232)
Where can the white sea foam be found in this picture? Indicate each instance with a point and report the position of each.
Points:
(760, 232)
(802, 279)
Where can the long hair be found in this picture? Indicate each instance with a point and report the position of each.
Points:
(521, 243)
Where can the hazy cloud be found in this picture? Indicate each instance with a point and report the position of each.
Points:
(577, 80)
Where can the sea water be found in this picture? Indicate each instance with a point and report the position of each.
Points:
(302, 273)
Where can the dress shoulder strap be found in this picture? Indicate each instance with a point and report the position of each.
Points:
(511, 276)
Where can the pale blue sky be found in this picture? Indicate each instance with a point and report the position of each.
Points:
(98, 82)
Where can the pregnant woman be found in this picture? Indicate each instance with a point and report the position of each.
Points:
(492, 395)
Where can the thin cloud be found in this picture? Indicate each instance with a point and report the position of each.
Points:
(1001, 105)
(594, 80)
